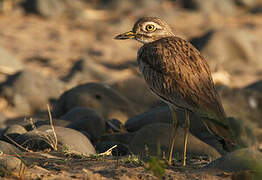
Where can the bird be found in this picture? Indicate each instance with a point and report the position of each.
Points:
(179, 75)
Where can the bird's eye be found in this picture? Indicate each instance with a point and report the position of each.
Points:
(150, 27)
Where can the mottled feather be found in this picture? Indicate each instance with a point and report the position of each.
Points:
(176, 72)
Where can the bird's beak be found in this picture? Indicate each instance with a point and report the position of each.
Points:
(126, 35)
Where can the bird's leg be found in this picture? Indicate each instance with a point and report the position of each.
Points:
(175, 126)
(187, 125)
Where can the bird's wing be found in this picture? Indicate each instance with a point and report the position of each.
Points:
(181, 73)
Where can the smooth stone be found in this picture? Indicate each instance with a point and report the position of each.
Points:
(136, 90)
(9, 149)
(123, 138)
(158, 135)
(162, 115)
(29, 91)
(87, 120)
(68, 139)
(239, 160)
(47, 8)
(231, 43)
(225, 7)
(14, 130)
(102, 98)
(114, 125)
(244, 104)
(9, 64)
(10, 165)
(256, 86)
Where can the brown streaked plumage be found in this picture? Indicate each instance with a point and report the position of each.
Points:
(176, 72)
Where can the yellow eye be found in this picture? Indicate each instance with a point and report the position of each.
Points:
(150, 27)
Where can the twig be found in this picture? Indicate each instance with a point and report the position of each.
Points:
(108, 152)
(52, 126)
(17, 144)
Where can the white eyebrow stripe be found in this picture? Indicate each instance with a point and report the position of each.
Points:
(153, 23)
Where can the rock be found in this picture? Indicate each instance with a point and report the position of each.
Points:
(3, 119)
(56, 122)
(225, 7)
(256, 86)
(68, 140)
(123, 138)
(156, 115)
(100, 97)
(10, 165)
(163, 115)
(239, 160)
(114, 125)
(28, 91)
(121, 6)
(147, 140)
(244, 134)
(236, 50)
(256, 10)
(47, 8)
(87, 120)
(8, 63)
(86, 70)
(120, 150)
(36, 140)
(246, 3)
(136, 90)
(9, 149)
(244, 104)
(12, 132)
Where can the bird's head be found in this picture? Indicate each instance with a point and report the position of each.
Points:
(147, 29)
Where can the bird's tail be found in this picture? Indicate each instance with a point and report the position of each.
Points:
(222, 129)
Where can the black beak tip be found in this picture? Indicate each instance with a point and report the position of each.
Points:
(120, 37)
(117, 37)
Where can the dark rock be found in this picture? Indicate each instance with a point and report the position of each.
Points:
(239, 160)
(102, 98)
(36, 140)
(9, 149)
(256, 86)
(13, 132)
(56, 122)
(28, 91)
(150, 138)
(136, 90)
(114, 125)
(123, 138)
(120, 150)
(9, 64)
(10, 165)
(155, 115)
(257, 9)
(243, 133)
(246, 3)
(163, 115)
(47, 8)
(241, 45)
(87, 120)
(68, 140)
(225, 7)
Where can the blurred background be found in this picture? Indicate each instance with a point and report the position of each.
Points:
(49, 46)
